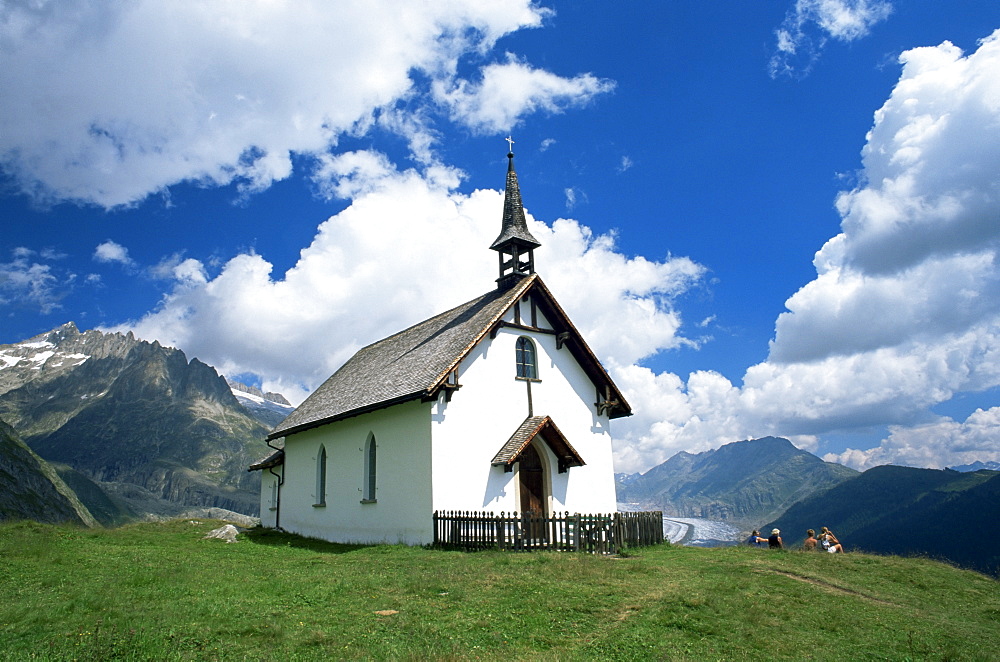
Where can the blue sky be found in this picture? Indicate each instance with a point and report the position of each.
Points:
(767, 218)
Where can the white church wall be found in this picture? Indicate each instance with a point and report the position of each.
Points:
(570, 401)
(467, 434)
(490, 406)
(401, 511)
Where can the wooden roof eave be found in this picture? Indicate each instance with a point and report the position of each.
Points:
(553, 438)
(358, 411)
(584, 355)
(275, 459)
(568, 454)
(521, 288)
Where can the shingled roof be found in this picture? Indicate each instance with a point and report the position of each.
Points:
(526, 432)
(416, 363)
(274, 459)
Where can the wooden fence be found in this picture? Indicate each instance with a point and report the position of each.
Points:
(597, 534)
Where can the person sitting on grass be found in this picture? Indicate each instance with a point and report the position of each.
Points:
(755, 540)
(809, 545)
(774, 540)
(829, 541)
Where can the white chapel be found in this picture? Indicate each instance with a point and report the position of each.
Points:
(497, 405)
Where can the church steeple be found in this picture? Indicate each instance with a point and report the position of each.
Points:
(515, 244)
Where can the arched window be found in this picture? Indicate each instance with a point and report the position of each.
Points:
(321, 476)
(272, 502)
(368, 493)
(527, 367)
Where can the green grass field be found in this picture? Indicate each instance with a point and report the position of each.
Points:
(160, 591)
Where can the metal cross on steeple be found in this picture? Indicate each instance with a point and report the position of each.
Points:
(510, 143)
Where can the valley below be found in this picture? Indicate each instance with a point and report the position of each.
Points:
(697, 532)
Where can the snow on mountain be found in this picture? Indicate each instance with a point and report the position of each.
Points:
(39, 354)
(270, 408)
(48, 355)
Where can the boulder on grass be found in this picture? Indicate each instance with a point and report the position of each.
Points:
(227, 533)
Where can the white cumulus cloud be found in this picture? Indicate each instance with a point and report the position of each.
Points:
(936, 445)
(26, 281)
(294, 329)
(107, 102)
(511, 89)
(110, 251)
(905, 310)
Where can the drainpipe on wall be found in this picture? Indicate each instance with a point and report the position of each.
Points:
(281, 481)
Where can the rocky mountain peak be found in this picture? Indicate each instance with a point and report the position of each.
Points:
(240, 387)
(269, 408)
(136, 417)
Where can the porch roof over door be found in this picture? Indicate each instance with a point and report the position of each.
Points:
(532, 427)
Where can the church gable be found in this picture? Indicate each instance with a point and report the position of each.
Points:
(538, 312)
(422, 360)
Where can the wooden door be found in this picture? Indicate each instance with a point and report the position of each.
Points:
(531, 479)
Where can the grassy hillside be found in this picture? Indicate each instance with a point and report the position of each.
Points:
(30, 488)
(160, 591)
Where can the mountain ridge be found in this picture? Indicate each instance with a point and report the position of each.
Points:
(125, 412)
(977, 465)
(744, 482)
(907, 511)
